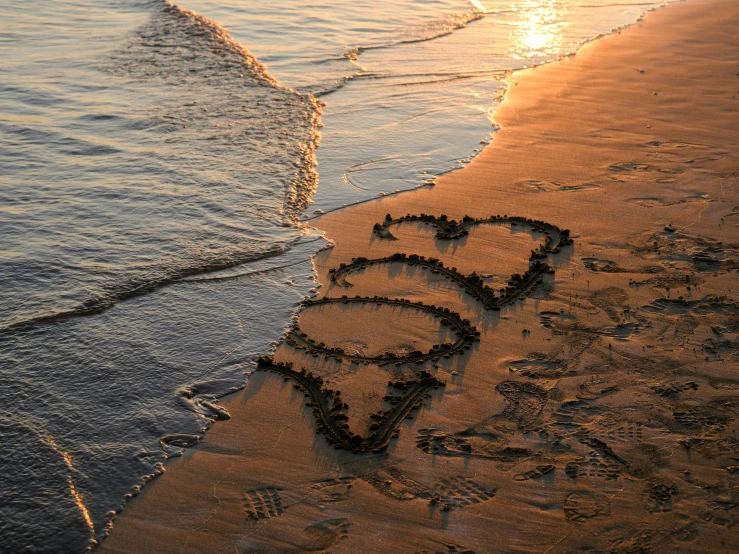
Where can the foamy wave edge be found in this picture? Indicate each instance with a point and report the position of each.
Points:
(298, 196)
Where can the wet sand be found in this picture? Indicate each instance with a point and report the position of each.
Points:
(487, 386)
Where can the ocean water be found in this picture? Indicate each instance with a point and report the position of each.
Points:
(157, 168)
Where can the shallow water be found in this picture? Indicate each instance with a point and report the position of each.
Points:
(153, 171)
(411, 93)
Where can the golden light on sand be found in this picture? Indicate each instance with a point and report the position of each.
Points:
(538, 29)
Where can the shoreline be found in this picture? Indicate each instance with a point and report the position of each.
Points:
(578, 166)
(510, 73)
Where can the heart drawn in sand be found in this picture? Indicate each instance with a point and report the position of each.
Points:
(408, 394)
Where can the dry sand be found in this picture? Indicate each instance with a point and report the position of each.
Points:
(598, 414)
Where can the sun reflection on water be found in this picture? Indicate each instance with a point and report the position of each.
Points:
(539, 28)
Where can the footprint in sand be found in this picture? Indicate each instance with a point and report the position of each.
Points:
(262, 503)
(469, 443)
(323, 535)
(574, 413)
(717, 518)
(641, 541)
(538, 471)
(631, 166)
(659, 496)
(703, 253)
(612, 300)
(583, 506)
(602, 266)
(673, 389)
(687, 153)
(541, 366)
(460, 491)
(525, 403)
(592, 467)
(553, 186)
(700, 419)
(726, 449)
(392, 483)
(333, 489)
(314, 538)
(627, 432)
(630, 169)
(661, 202)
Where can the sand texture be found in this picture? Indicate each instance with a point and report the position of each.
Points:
(540, 353)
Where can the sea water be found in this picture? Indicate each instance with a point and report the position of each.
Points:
(157, 168)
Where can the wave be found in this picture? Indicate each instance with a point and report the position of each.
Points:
(180, 45)
(421, 33)
(181, 23)
(138, 287)
(300, 191)
(206, 81)
(430, 31)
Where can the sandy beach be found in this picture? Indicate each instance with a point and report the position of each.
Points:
(539, 353)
